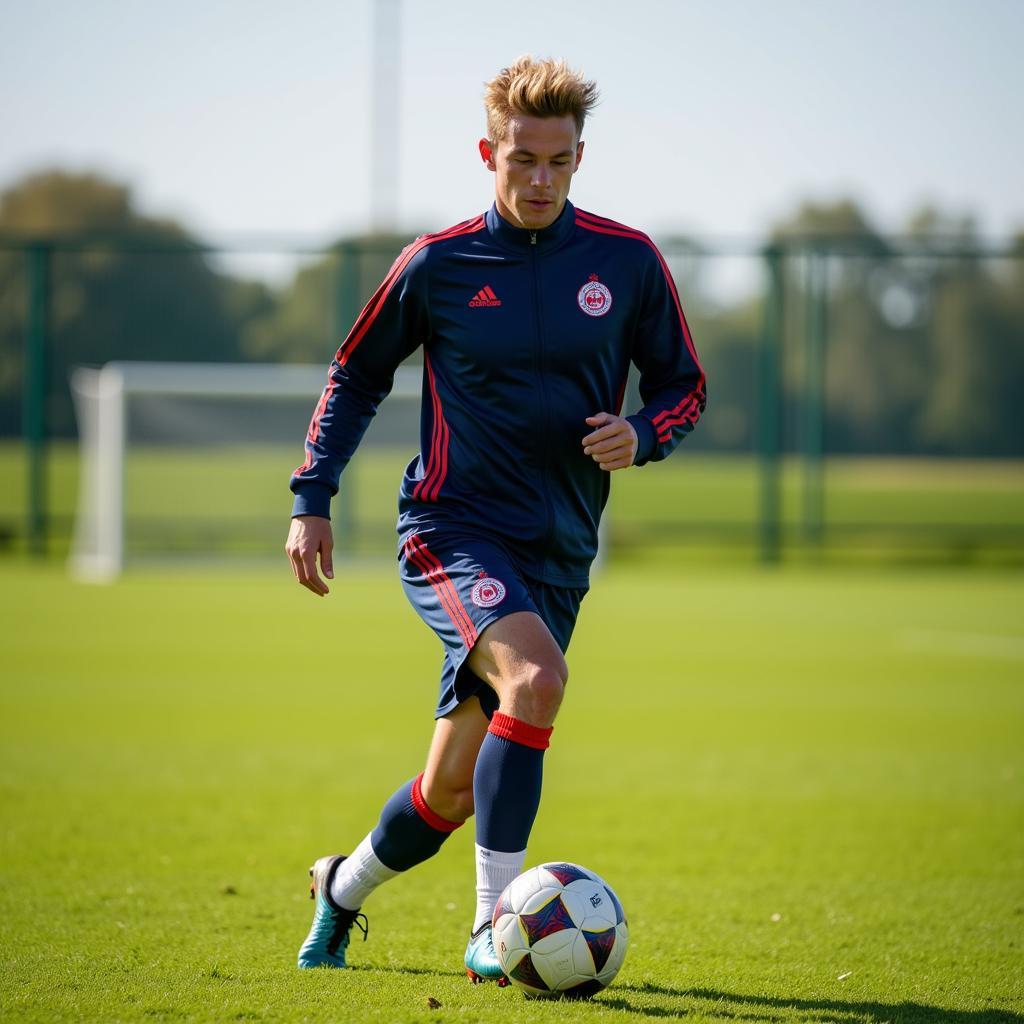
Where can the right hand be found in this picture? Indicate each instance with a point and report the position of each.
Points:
(308, 538)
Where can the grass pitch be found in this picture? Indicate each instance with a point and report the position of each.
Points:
(807, 788)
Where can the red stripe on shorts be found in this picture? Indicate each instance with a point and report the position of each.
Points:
(433, 572)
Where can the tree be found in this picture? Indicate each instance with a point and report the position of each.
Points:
(925, 339)
(314, 313)
(978, 355)
(124, 286)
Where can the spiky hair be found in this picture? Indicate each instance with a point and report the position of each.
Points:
(537, 88)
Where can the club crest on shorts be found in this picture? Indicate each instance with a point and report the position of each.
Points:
(594, 298)
(488, 592)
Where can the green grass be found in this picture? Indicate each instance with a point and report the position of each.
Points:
(806, 786)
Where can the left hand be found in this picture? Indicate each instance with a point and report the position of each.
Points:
(613, 444)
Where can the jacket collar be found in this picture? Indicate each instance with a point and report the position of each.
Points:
(519, 239)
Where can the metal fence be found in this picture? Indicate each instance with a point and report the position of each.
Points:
(830, 360)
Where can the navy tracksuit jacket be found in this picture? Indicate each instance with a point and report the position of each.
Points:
(524, 335)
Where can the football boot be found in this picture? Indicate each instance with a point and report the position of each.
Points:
(481, 961)
(329, 936)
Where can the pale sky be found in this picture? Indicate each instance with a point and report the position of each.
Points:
(243, 117)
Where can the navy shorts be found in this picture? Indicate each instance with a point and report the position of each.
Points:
(459, 587)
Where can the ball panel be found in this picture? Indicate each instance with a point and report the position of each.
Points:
(557, 965)
(576, 905)
(523, 887)
(547, 919)
(593, 900)
(617, 955)
(525, 973)
(565, 872)
(620, 914)
(540, 897)
(508, 940)
(554, 942)
(600, 945)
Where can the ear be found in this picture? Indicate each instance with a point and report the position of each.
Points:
(579, 155)
(487, 154)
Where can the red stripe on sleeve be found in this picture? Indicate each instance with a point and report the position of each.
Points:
(689, 414)
(517, 731)
(372, 308)
(435, 821)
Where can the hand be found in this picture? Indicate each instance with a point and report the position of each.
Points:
(613, 445)
(309, 537)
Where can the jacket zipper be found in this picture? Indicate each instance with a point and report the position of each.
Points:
(545, 459)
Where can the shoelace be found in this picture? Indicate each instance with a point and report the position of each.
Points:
(341, 928)
(363, 926)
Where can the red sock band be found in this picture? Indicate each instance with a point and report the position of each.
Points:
(517, 731)
(435, 821)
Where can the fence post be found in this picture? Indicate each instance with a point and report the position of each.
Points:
(770, 408)
(34, 394)
(346, 289)
(813, 425)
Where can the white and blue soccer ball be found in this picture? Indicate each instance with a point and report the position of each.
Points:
(560, 931)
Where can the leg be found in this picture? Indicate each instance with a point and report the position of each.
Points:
(488, 617)
(448, 778)
(411, 829)
(520, 659)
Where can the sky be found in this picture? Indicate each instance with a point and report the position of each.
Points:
(251, 117)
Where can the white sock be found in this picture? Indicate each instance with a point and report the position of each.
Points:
(358, 875)
(494, 871)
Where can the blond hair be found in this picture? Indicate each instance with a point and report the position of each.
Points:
(537, 88)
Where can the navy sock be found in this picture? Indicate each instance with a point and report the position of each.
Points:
(409, 832)
(507, 781)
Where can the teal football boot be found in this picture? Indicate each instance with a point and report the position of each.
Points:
(328, 938)
(481, 961)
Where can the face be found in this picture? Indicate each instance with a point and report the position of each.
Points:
(533, 167)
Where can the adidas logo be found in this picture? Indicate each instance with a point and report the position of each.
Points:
(484, 297)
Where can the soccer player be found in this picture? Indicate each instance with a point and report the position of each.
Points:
(529, 316)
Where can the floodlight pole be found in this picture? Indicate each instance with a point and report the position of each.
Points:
(385, 130)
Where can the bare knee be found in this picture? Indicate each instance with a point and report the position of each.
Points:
(535, 695)
(448, 798)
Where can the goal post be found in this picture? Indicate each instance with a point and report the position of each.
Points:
(189, 406)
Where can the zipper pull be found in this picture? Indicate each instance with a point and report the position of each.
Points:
(533, 238)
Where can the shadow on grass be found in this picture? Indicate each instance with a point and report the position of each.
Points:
(396, 969)
(769, 1009)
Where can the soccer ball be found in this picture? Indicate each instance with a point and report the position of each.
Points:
(559, 930)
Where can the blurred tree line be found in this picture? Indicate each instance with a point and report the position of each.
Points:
(925, 348)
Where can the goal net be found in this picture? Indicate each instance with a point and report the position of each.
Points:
(192, 460)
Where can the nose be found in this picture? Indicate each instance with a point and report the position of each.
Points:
(541, 176)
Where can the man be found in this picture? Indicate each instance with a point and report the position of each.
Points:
(529, 317)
